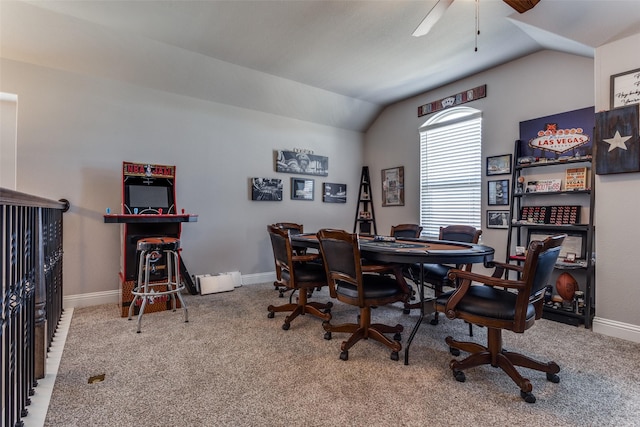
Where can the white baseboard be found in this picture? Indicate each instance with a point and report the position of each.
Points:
(112, 297)
(616, 329)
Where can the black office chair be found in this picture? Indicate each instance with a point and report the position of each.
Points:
(294, 228)
(297, 273)
(500, 304)
(406, 230)
(437, 274)
(351, 283)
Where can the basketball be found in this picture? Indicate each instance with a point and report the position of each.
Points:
(566, 286)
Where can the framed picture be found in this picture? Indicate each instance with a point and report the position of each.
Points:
(301, 163)
(334, 193)
(617, 138)
(499, 165)
(266, 189)
(499, 192)
(497, 219)
(393, 186)
(302, 189)
(624, 88)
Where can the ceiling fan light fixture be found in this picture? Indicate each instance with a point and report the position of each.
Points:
(521, 6)
(432, 17)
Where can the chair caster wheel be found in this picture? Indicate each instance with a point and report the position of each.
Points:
(454, 351)
(406, 311)
(281, 295)
(459, 376)
(397, 336)
(327, 310)
(344, 355)
(434, 321)
(395, 356)
(286, 326)
(527, 396)
(271, 315)
(553, 378)
(327, 336)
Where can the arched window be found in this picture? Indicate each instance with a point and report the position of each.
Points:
(451, 170)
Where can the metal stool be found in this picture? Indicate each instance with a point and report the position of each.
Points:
(149, 249)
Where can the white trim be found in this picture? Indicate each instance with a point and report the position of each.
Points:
(616, 329)
(40, 400)
(91, 299)
(113, 297)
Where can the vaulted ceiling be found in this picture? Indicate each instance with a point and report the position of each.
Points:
(332, 62)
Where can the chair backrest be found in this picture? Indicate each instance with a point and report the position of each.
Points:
(291, 226)
(460, 233)
(341, 256)
(540, 262)
(405, 230)
(282, 252)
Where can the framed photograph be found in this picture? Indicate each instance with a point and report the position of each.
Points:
(497, 219)
(266, 189)
(301, 163)
(302, 189)
(499, 165)
(498, 192)
(393, 186)
(624, 88)
(334, 193)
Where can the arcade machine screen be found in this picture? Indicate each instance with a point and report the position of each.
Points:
(149, 199)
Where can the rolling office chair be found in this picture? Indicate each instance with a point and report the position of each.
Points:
(293, 228)
(437, 274)
(297, 273)
(351, 283)
(499, 304)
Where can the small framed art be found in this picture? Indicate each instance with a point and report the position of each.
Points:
(499, 165)
(393, 186)
(499, 192)
(624, 88)
(266, 189)
(302, 189)
(334, 193)
(497, 219)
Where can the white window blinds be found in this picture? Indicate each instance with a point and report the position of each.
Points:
(451, 170)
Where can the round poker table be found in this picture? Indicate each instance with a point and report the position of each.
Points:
(411, 251)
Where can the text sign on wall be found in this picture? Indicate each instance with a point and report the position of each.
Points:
(453, 100)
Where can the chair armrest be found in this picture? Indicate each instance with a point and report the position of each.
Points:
(500, 268)
(465, 280)
(305, 257)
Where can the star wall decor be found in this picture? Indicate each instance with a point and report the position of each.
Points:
(617, 141)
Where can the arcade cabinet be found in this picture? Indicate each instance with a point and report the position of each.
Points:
(148, 210)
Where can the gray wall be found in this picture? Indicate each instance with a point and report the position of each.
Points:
(617, 209)
(538, 85)
(74, 131)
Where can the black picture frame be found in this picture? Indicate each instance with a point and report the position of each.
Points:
(624, 88)
(334, 192)
(498, 219)
(499, 165)
(302, 189)
(266, 189)
(498, 192)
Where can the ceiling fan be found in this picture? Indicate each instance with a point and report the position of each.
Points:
(441, 7)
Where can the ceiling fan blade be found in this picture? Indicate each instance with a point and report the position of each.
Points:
(432, 17)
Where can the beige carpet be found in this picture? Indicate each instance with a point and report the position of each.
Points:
(232, 366)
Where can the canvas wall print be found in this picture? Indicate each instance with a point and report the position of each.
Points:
(334, 193)
(393, 186)
(301, 163)
(302, 189)
(558, 136)
(266, 189)
(617, 141)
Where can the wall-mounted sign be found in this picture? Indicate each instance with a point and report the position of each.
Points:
(453, 100)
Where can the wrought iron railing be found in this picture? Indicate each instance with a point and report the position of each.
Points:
(31, 236)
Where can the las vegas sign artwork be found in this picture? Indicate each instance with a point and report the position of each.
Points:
(561, 135)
